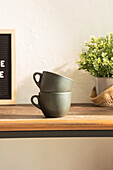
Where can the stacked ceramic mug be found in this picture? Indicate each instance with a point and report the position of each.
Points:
(54, 98)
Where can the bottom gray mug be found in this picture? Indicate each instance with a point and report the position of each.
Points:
(53, 104)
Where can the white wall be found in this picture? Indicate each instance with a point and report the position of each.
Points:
(50, 35)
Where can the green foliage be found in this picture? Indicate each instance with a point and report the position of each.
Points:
(97, 56)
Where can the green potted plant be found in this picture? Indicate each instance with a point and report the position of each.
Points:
(97, 59)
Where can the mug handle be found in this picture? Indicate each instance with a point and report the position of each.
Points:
(34, 77)
(32, 101)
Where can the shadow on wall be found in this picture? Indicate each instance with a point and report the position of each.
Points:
(27, 89)
(83, 83)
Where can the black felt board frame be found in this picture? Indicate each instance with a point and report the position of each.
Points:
(7, 67)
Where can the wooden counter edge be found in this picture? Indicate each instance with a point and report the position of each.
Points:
(45, 127)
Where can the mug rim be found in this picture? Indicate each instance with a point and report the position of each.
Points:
(55, 92)
(58, 75)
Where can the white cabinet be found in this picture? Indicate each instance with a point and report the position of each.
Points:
(56, 154)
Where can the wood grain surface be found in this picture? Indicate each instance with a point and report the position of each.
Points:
(79, 117)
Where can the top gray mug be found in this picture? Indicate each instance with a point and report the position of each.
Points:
(51, 82)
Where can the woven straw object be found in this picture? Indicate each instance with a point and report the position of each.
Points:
(103, 99)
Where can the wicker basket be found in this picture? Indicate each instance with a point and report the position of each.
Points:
(103, 99)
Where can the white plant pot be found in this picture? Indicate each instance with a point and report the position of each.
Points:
(102, 83)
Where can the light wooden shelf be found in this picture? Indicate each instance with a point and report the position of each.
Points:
(79, 117)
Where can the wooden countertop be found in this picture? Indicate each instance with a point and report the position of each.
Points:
(79, 117)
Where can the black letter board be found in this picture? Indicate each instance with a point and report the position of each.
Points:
(7, 67)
